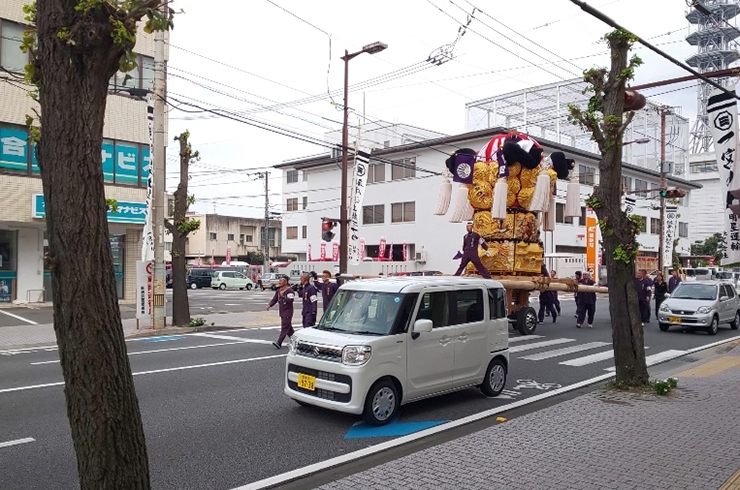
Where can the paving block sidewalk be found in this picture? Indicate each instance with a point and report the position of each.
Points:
(600, 440)
(25, 336)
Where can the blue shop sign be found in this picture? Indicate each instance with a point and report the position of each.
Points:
(128, 212)
(107, 158)
(127, 164)
(13, 149)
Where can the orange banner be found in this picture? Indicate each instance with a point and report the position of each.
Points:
(591, 241)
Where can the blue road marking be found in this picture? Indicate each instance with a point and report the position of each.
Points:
(166, 338)
(392, 429)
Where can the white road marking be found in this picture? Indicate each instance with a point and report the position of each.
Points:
(593, 358)
(17, 442)
(565, 350)
(524, 337)
(154, 371)
(228, 337)
(269, 328)
(658, 358)
(30, 322)
(537, 345)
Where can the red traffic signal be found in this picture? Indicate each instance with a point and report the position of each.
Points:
(673, 193)
(326, 230)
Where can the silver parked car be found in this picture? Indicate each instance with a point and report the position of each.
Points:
(701, 305)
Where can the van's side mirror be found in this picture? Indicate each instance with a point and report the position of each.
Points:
(667, 295)
(422, 326)
(723, 298)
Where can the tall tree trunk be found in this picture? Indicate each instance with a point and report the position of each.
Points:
(180, 231)
(102, 406)
(618, 231)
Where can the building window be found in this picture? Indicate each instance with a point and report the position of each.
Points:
(230, 237)
(11, 38)
(248, 238)
(403, 169)
(292, 204)
(376, 173)
(654, 226)
(683, 230)
(626, 184)
(586, 175)
(212, 236)
(291, 233)
(702, 167)
(241, 238)
(403, 212)
(373, 215)
(641, 185)
(305, 202)
(643, 225)
(305, 176)
(304, 232)
(270, 236)
(291, 176)
(142, 76)
(560, 214)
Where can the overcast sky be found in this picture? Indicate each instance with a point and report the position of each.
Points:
(250, 55)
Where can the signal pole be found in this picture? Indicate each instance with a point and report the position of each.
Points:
(266, 264)
(661, 236)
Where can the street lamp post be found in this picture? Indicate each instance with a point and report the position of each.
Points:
(343, 222)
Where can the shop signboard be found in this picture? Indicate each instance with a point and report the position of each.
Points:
(144, 289)
(127, 212)
(6, 291)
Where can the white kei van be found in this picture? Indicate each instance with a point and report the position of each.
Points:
(383, 343)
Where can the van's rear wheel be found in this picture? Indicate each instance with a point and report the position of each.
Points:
(193, 285)
(526, 320)
(495, 380)
(381, 403)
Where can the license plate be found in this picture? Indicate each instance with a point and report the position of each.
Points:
(307, 382)
(674, 319)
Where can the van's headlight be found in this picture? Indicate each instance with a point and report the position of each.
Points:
(356, 355)
(703, 310)
(664, 307)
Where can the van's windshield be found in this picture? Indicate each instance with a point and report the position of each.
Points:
(362, 312)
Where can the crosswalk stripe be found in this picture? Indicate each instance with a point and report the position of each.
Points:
(657, 358)
(228, 337)
(538, 345)
(591, 359)
(565, 350)
(524, 337)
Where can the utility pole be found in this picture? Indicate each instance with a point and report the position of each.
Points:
(159, 168)
(266, 265)
(661, 236)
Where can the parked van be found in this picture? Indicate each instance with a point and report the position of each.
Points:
(200, 277)
(697, 274)
(383, 343)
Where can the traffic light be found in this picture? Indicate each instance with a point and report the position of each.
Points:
(672, 193)
(326, 226)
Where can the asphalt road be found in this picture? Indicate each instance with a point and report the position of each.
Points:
(216, 417)
(202, 301)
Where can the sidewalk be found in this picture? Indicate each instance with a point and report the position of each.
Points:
(599, 440)
(25, 336)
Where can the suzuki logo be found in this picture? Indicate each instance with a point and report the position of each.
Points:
(316, 351)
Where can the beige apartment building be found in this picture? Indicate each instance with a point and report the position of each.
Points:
(219, 236)
(125, 160)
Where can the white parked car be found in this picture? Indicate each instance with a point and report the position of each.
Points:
(230, 280)
(383, 343)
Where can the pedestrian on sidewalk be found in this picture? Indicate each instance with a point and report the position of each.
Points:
(578, 280)
(284, 297)
(259, 281)
(660, 289)
(586, 302)
(674, 281)
(555, 299)
(327, 288)
(309, 295)
(643, 295)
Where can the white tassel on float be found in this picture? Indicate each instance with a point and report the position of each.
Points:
(541, 196)
(445, 196)
(548, 218)
(573, 198)
(500, 192)
(461, 204)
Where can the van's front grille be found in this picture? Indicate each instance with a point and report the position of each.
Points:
(316, 351)
(321, 393)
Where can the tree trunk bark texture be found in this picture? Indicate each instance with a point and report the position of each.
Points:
(180, 301)
(102, 406)
(627, 334)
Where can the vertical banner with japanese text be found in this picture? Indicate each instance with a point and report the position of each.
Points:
(669, 234)
(722, 112)
(362, 159)
(144, 289)
(592, 240)
(147, 238)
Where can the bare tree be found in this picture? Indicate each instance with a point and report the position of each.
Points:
(180, 227)
(75, 47)
(604, 118)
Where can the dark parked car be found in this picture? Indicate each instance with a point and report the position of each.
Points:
(200, 277)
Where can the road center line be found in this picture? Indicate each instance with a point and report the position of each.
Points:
(31, 322)
(17, 442)
(154, 371)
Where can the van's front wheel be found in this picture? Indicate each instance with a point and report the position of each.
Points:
(381, 403)
(495, 380)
